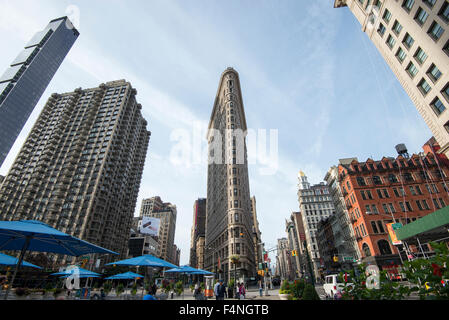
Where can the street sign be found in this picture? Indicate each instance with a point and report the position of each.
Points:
(391, 227)
(348, 259)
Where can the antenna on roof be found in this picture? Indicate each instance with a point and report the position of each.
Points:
(402, 150)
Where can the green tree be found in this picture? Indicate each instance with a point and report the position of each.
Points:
(310, 293)
(429, 276)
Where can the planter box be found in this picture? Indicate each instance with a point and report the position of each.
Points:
(284, 296)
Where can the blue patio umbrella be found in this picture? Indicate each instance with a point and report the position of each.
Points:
(81, 276)
(82, 273)
(145, 260)
(182, 269)
(12, 261)
(37, 236)
(126, 275)
(199, 271)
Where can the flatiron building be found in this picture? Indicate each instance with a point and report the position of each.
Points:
(229, 219)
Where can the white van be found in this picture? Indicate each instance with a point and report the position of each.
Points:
(332, 286)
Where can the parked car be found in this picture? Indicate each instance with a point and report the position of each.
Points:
(332, 288)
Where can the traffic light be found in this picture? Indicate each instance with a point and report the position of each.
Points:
(335, 259)
(294, 253)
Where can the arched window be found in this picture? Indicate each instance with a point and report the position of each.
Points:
(366, 250)
(384, 247)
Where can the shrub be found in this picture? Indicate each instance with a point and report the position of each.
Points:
(107, 287)
(57, 291)
(179, 288)
(297, 288)
(285, 288)
(120, 288)
(310, 293)
(22, 292)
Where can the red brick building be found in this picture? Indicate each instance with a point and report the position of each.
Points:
(400, 189)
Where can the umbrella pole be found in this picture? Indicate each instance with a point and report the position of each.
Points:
(22, 253)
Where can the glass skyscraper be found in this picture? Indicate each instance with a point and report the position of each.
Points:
(24, 82)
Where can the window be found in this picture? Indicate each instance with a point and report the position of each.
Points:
(361, 181)
(377, 180)
(397, 27)
(421, 16)
(387, 16)
(384, 247)
(392, 178)
(390, 41)
(420, 56)
(363, 195)
(392, 209)
(412, 70)
(408, 41)
(437, 106)
(381, 29)
(374, 227)
(401, 55)
(379, 193)
(434, 73)
(444, 12)
(435, 31)
(424, 87)
(408, 5)
(366, 250)
(445, 92)
(418, 203)
(430, 3)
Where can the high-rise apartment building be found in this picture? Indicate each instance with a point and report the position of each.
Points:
(413, 38)
(24, 82)
(229, 220)
(315, 203)
(198, 234)
(154, 207)
(392, 190)
(80, 167)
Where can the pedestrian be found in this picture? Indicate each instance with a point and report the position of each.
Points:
(221, 291)
(102, 294)
(260, 288)
(154, 289)
(237, 291)
(216, 289)
(148, 296)
(242, 291)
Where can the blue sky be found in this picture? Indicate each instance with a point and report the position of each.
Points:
(306, 69)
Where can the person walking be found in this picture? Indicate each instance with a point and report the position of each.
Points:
(242, 291)
(216, 289)
(260, 288)
(237, 291)
(221, 291)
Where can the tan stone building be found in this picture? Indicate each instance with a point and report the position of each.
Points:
(315, 203)
(154, 207)
(229, 220)
(257, 235)
(80, 167)
(413, 38)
